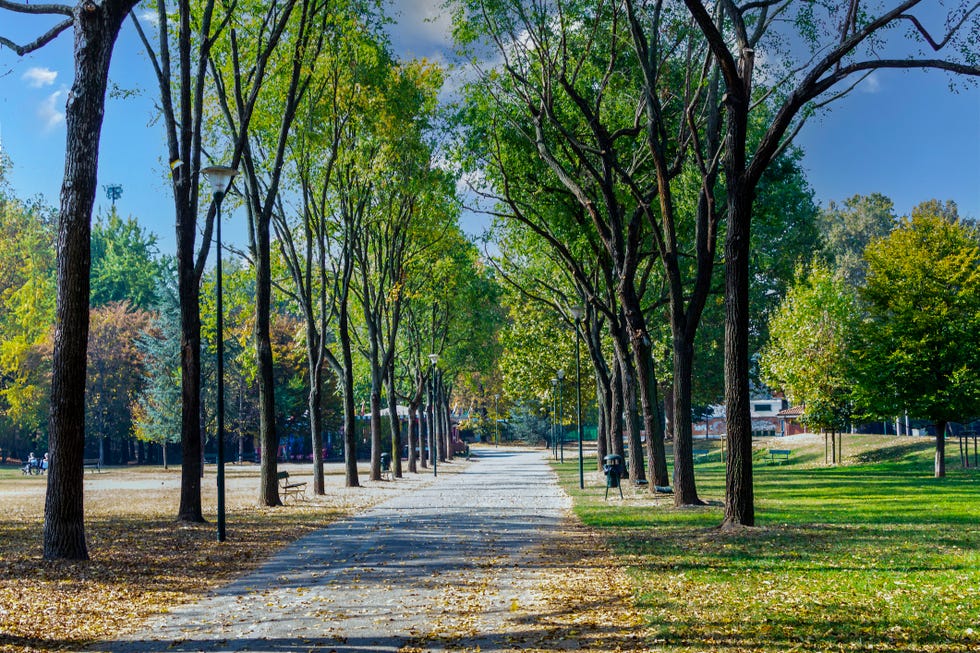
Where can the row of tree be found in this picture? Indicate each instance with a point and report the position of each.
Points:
(877, 328)
(643, 143)
(351, 221)
(633, 146)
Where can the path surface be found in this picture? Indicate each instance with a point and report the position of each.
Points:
(441, 568)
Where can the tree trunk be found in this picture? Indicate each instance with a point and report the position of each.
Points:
(616, 423)
(96, 28)
(268, 483)
(603, 394)
(316, 423)
(375, 407)
(646, 381)
(739, 496)
(394, 423)
(413, 436)
(634, 467)
(940, 466)
(347, 383)
(653, 422)
(685, 488)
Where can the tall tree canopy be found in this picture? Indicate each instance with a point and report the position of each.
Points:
(922, 298)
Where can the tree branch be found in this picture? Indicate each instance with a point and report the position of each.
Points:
(43, 9)
(41, 41)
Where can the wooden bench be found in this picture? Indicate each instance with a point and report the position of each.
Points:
(93, 464)
(287, 489)
(779, 455)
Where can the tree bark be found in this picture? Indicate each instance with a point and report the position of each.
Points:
(316, 422)
(413, 436)
(685, 488)
(739, 498)
(96, 28)
(634, 462)
(394, 423)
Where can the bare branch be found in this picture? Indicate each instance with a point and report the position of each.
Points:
(937, 46)
(41, 41)
(42, 9)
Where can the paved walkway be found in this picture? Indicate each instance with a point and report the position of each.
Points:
(441, 568)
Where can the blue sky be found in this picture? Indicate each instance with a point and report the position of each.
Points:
(903, 134)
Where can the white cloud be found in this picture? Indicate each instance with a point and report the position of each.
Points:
(871, 83)
(38, 77)
(422, 28)
(150, 16)
(50, 112)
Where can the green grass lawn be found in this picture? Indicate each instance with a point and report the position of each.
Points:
(866, 556)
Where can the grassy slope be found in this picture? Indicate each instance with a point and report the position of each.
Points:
(870, 556)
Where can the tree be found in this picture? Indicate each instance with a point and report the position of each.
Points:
(922, 297)
(809, 352)
(125, 264)
(27, 303)
(158, 412)
(848, 229)
(96, 26)
(267, 84)
(182, 85)
(837, 43)
(115, 371)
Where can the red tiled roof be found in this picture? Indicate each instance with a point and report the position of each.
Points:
(793, 411)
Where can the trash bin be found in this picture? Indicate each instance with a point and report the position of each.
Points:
(385, 464)
(613, 469)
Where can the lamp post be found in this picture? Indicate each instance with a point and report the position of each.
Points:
(433, 444)
(496, 421)
(561, 422)
(220, 179)
(578, 312)
(554, 415)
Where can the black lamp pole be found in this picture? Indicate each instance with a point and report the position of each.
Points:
(578, 312)
(554, 416)
(496, 421)
(561, 421)
(220, 178)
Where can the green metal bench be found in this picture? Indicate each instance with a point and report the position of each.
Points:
(779, 455)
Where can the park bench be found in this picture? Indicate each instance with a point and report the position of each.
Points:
(699, 454)
(93, 464)
(779, 455)
(287, 489)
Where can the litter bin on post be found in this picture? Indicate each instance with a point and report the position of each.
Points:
(613, 469)
(385, 465)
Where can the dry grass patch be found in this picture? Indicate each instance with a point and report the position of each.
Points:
(142, 561)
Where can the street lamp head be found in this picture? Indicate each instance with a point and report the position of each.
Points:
(578, 311)
(561, 374)
(219, 177)
(495, 397)
(434, 358)
(554, 382)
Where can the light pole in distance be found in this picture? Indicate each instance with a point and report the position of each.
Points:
(578, 312)
(554, 415)
(561, 410)
(496, 421)
(220, 179)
